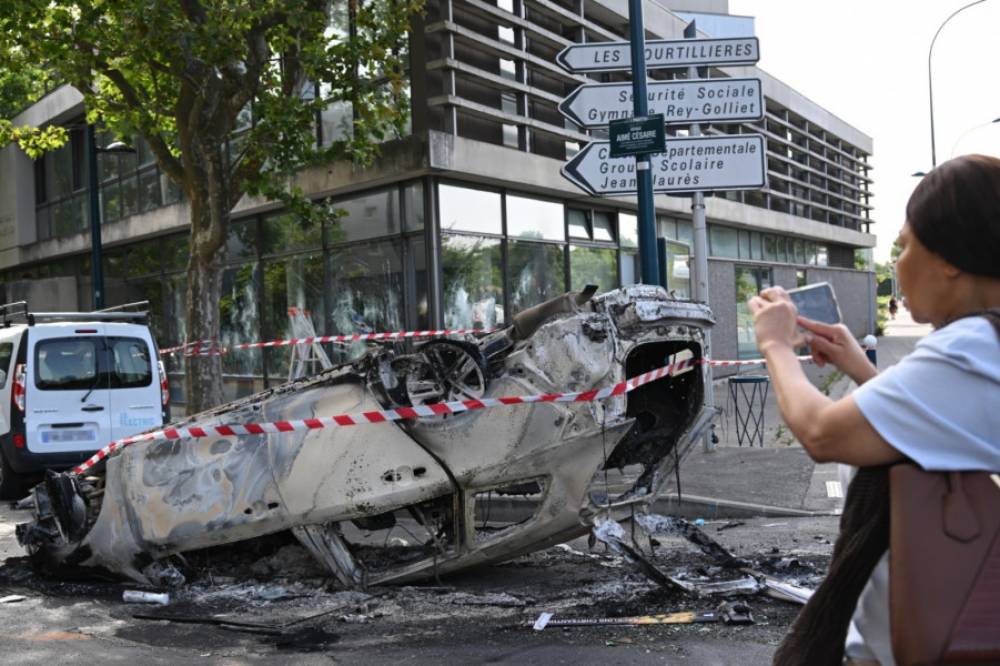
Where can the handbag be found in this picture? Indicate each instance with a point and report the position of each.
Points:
(944, 566)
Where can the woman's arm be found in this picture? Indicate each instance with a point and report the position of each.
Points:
(831, 431)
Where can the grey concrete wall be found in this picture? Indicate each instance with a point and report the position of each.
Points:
(722, 298)
(57, 294)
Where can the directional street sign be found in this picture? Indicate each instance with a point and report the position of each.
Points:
(680, 102)
(706, 163)
(660, 54)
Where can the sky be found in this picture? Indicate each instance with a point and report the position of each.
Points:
(865, 61)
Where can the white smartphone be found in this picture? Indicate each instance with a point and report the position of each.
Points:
(817, 302)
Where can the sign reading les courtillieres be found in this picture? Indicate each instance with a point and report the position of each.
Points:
(704, 163)
(660, 54)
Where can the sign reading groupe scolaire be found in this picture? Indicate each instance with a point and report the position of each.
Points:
(660, 54)
(637, 136)
(679, 102)
(705, 163)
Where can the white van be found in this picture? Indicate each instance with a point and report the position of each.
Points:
(70, 383)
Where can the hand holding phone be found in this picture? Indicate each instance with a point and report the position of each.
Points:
(817, 302)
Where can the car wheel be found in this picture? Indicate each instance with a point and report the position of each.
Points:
(12, 486)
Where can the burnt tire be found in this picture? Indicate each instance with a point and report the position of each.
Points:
(13, 486)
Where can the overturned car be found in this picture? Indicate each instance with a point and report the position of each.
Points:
(434, 477)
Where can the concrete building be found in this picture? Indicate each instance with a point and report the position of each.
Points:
(464, 220)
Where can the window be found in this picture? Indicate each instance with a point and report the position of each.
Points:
(534, 218)
(593, 265)
(578, 224)
(770, 248)
(595, 226)
(466, 209)
(679, 269)
(284, 233)
(6, 351)
(750, 281)
(628, 230)
(413, 206)
(130, 364)
(66, 364)
(604, 227)
(723, 241)
(472, 281)
(630, 268)
(535, 272)
(368, 216)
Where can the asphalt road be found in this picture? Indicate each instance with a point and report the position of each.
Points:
(476, 617)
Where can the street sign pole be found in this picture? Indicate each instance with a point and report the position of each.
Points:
(644, 178)
(700, 286)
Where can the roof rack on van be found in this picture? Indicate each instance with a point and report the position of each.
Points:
(9, 311)
(138, 306)
(19, 311)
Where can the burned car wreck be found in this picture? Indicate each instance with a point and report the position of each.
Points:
(343, 491)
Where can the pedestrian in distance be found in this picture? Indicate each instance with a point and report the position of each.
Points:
(937, 407)
(893, 307)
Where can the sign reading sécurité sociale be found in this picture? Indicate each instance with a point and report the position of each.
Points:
(679, 102)
(660, 54)
(637, 136)
(704, 163)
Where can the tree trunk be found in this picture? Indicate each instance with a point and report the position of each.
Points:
(210, 206)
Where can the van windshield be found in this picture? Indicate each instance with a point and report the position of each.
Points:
(66, 363)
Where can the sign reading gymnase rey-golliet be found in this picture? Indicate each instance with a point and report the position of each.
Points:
(705, 163)
(594, 105)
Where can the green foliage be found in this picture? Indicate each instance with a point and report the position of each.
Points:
(881, 314)
(22, 84)
(183, 74)
(225, 94)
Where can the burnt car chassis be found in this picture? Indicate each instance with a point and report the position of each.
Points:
(432, 477)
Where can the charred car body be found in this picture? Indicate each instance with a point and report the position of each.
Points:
(433, 476)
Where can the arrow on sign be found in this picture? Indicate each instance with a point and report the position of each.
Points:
(705, 163)
(660, 54)
(680, 102)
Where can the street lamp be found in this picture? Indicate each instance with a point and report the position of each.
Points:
(966, 132)
(930, 87)
(96, 260)
(921, 174)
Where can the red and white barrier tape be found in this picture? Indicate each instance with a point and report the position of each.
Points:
(402, 413)
(210, 347)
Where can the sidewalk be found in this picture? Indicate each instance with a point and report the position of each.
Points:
(779, 478)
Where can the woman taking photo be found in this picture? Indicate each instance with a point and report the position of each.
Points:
(939, 407)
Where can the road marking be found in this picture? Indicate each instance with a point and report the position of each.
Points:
(834, 489)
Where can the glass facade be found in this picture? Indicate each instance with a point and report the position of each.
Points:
(365, 266)
(750, 280)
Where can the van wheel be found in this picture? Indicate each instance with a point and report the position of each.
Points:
(12, 486)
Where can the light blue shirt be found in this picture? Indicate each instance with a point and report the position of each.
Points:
(940, 407)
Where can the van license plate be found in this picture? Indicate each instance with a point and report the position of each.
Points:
(67, 436)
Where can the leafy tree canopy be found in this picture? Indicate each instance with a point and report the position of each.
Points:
(22, 84)
(185, 75)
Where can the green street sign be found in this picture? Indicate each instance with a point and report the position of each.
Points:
(637, 136)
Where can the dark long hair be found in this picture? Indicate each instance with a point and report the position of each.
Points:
(955, 213)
